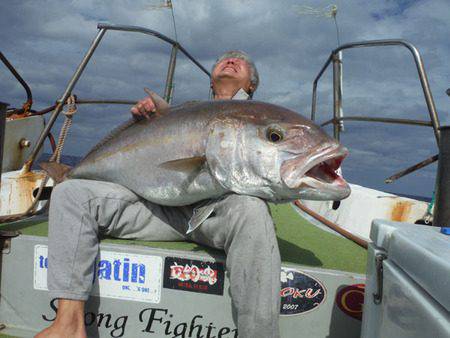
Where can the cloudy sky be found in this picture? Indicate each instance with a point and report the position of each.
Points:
(46, 39)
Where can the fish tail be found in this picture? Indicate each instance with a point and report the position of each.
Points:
(57, 171)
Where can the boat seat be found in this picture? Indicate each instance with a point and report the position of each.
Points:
(299, 241)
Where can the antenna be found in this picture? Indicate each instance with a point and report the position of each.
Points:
(169, 3)
(160, 5)
(329, 11)
(169, 84)
(163, 5)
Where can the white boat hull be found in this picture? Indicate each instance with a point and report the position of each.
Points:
(356, 213)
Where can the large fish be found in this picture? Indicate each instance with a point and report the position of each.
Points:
(204, 150)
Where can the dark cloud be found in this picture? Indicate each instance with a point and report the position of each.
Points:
(46, 40)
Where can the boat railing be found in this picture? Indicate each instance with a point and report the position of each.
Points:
(29, 102)
(338, 119)
(102, 29)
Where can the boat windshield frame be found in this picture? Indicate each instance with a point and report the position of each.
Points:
(338, 119)
(102, 29)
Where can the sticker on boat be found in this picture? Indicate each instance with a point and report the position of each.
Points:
(117, 275)
(350, 300)
(194, 275)
(299, 292)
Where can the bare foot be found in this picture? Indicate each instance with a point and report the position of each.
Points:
(69, 322)
(55, 331)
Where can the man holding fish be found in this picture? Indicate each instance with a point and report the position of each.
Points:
(208, 184)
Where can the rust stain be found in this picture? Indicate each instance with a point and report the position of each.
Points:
(21, 190)
(400, 211)
(17, 116)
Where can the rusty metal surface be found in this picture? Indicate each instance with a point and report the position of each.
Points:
(20, 137)
(401, 211)
(16, 193)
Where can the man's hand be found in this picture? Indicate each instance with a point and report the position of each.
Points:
(144, 107)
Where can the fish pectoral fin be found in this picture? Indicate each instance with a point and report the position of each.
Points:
(199, 216)
(162, 107)
(185, 164)
(57, 171)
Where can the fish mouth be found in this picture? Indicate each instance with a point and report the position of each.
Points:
(326, 171)
(317, 177)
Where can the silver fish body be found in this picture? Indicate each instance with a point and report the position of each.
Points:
(207, 149)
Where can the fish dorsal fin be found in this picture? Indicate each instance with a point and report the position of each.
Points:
(185, 164)
(57, 171)
(162, 107)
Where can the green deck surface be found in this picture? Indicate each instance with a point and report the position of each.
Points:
(300, 242)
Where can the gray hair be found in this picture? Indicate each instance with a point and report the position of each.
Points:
(254, 76)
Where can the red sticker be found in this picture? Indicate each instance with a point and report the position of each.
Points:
(350, 300)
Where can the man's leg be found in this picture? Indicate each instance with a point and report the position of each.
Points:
(69, 321)
(81, 211)
(243, 227)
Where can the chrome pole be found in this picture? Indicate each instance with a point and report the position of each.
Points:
(170, 73)
(64, 98)
(419, 123)
(337, 94)
(340, 92)
(441, 212)
(2, 133)
(156, 34)
(314, 93)
(420, 69)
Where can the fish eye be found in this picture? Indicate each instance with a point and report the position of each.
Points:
(274, 135)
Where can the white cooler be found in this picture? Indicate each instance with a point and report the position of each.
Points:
(408, 282)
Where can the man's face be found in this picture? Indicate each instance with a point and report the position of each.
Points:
(232, 70)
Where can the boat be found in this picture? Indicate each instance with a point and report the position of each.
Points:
(181, 289)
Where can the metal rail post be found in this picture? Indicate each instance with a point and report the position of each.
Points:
(2, 133)
(170, 73)
(64, 98)
(102, 30)
(337, 94)
(27, 105)
(375, 43)
(441, 215)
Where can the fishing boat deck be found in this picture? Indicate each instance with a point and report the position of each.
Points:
(300, 242)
